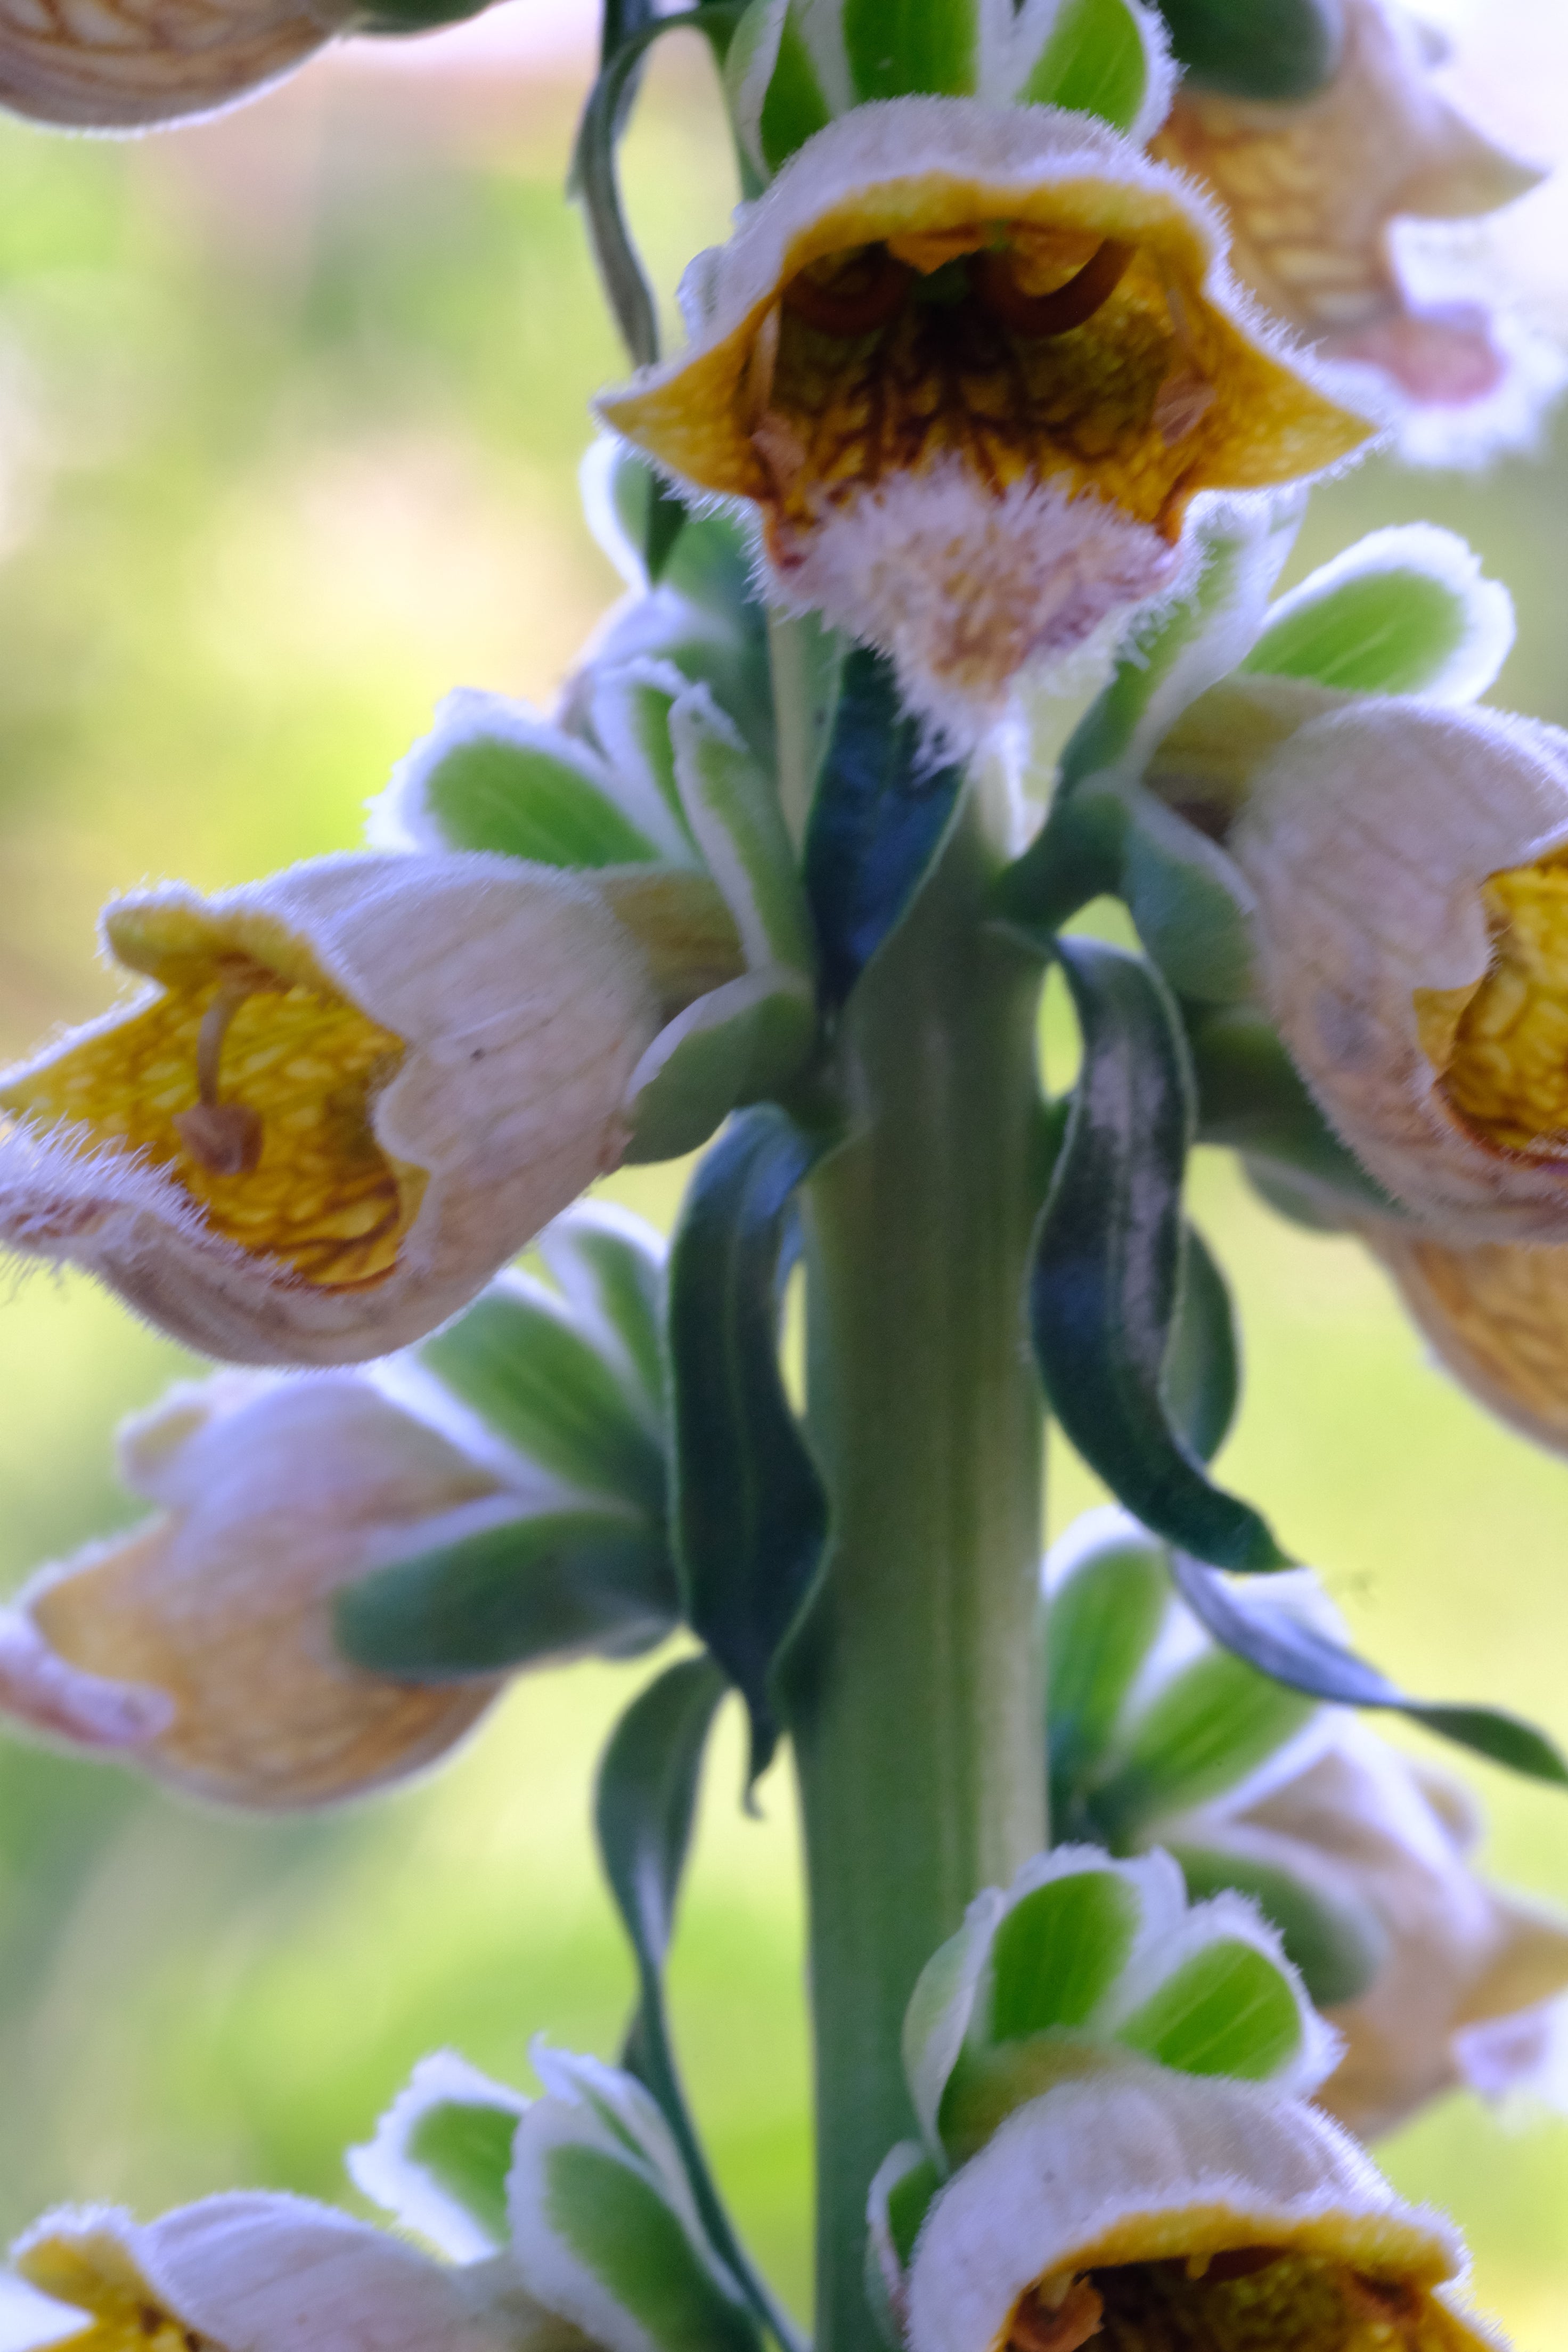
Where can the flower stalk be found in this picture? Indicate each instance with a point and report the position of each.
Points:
(918, 1732)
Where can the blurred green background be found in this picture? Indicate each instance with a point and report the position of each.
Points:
(290, 409)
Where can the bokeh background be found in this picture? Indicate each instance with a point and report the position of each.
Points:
(290, 406)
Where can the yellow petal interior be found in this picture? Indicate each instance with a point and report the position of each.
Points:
(1502, 1047)
(1262, 2299)
(100, 2278)
(322, 1197)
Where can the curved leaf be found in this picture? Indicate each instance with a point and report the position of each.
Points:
(1202, 1379)
(751, 1513)
(1105, 1287)
(1306, 1660)
(882, 810)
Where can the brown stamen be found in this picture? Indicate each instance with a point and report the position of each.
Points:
(224, 1138)
(868, 295)
(1065, 307)
(1075, 2321)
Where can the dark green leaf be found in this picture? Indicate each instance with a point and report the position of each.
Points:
(882, 810)
(751, 1514)
(551, 1586)
(1305, 1660)
(1283, 49)
(1106, 1280)
(1201, 1378)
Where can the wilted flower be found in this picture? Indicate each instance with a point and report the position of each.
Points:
(248, 2273)
(1138, 2206)
(974, 364)
(348, 1095)
(199, 1645)
(1411, 882)
(1311, 189)
(136, 62)
(1458, 1954)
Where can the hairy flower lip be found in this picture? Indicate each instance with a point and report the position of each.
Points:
(162, 63)
(522, 1006)
(1146, 2166)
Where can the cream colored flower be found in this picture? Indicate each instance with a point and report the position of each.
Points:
(1138, 2208)
(972, 363)
(349, 1093)
(117, 65)
(199, 1645)
(1497, 1316)
(1369, 1827)
(1410, 869)
(249, 2272)
(1313, 187)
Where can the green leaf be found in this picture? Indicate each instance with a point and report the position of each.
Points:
(882, 811)
(1058, 1951)
(900, 49)
(750, 1512)
(1406, 611)
(1286, 50)
(518, 1360)
(1201, 1378)
(1229, 2009)
(1336, 1944)
(1095, 60)
(619, 2227)
(1101, 1623)
(550, 1586)
(731, 807)
(467, 2151)
(1105, 1284)
(739, 1043)
(610, 1266)
(1306, 1660)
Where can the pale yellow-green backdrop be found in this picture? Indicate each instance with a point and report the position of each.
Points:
(290, 406)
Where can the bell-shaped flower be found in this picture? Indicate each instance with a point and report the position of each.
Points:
(199, 1645)
(147, 61)
(1409, 866)
(1138, 2206)
(1313, 187)
(1496, 1315)
(972, 363)
(347, 1095)
(252, 2272)
(1459, 1991)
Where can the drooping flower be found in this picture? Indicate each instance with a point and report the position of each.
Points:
(199, 1645)
(1411, 882)
(145, 61)
(1139, 2206)
(1458, 1992)
(250, 2273)
(348, 1094)
(1496, 1314)
(1313, 187)
(974, 364)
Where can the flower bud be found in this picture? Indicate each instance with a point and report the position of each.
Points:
(1412, 944)
(147, 61)
(1141, 2206)
(348, 1095)
(1311, 188)
(209, 1628)
(974, 364)
(1457, 1953)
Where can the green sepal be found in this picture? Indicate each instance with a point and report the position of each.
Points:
(610, 1266)
(1252, 1099)
(1105, 1284)
(750, 1509)
(1101, 1623)
(1229, 2009)
(738, 1044)
(1205, 1730)
(1104, 58)
(731, 807)
(1305, 1659)
(902, 2190)
(603, 2229)
(1406, 611)
(1336, 1944)
(902, 48)
(518, 1358)
(546, 1588)
(1287, 50)
(776, 84)
(439, 2161)
(392, 17)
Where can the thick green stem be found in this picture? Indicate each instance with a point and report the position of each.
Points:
(918, 1725)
